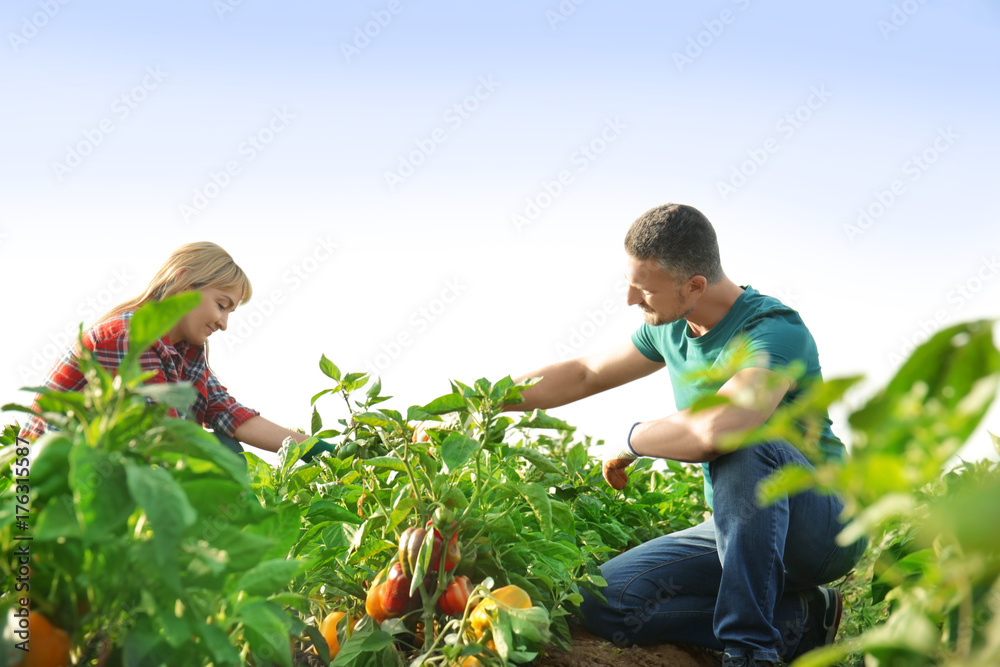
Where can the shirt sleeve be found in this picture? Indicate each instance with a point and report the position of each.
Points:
(108, 342)
(780, 340)
(222, 411)
(643, 341)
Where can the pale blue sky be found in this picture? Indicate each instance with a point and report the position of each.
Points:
(807, 112)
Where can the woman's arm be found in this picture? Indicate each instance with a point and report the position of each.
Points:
(265, 434)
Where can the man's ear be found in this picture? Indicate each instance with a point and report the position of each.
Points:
(696, 285)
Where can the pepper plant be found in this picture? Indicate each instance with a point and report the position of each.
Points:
(147, 544)
(412, 503)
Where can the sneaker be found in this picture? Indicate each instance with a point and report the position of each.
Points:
(832, 613)
(823, 609)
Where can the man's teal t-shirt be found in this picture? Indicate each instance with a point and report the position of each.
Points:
(772, 332)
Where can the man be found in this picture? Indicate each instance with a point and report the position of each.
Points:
(747, 580)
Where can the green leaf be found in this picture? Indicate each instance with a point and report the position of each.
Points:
(186, 437)
(329, 368)
(786, 481)
(540, 461)
(369, 549)
(267, 628)
(540, 503)
(8, 436)
(939, 381)
(500, 390)
(174, 628)
(151, 322)
(541, 419)
(375, 389)
(50, 465)
(243, 549)
(269, 577)
(825, 656)
(445, 404)
(58, 521)
(354, 381)
(283, 528)
(170, 514)
(454, 498)
(457, 449)
(884, 509)
(260, 473)
(103, 503)
(177, 395)
(972, 514)
(217, 642)
(390, 462)
(326, 510)
(291, 452)
(145, 646)
(576, 458)
(352, 652)
(317, 422)
(562, 518)
(907, 628)
(373, 419)
(317, 395)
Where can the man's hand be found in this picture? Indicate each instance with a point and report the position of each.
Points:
(614, 468)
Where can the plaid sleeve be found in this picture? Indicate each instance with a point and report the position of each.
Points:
(64, 376)
(221, 411)
(109, 343)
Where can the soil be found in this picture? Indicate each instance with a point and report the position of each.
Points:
(590, 651)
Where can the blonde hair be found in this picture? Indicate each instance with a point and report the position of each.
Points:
(192, 266)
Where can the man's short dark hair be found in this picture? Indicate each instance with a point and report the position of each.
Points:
(680, 238)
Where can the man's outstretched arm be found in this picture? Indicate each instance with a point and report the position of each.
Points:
(569, 381)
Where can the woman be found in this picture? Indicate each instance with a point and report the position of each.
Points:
(182, 354)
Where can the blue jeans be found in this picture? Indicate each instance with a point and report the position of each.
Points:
(741, 581)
